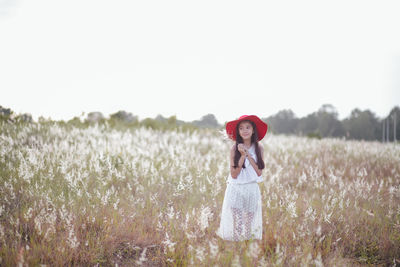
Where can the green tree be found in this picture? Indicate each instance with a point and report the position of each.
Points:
(308, 125)
(394, 114)
(284, 122)
(328, 123)
(207, 121)
(362, 125)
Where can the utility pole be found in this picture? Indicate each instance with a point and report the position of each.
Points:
(387, 129)
(394, 127)
(383, 131)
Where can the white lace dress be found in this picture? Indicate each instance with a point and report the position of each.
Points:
(241, 216)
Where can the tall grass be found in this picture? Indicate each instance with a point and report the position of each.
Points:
(101, 196)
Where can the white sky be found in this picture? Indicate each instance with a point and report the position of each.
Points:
(190, 58)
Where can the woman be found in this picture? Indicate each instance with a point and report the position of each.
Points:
(241, 216)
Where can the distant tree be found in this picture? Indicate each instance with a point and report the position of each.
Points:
(328, 123)
(394, 113)
(26, 117)
(172, 120)
(207, 121)
(6, 112)
(328, 108)
(284, 122)
(151, 123)
(95, 117)
(308, 125)
(124, 117)
(74, 122)
(323, 123)
(362, 125)
(161, 118)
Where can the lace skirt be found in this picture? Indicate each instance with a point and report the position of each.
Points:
(241, 216)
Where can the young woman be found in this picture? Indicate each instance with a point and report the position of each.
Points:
(241, 216)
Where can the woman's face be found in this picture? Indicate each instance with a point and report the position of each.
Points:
(245, 130)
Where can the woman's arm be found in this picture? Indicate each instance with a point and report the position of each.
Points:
(235, 171)
(253, 162)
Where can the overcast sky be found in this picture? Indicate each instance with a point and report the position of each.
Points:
(190, 58)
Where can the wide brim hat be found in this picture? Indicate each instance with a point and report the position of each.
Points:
(261, 126)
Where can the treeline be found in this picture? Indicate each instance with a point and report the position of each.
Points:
(119, 120)
(360, 125)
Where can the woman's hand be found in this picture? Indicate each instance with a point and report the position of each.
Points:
(242, 149)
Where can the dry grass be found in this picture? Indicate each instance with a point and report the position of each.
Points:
(99, 196)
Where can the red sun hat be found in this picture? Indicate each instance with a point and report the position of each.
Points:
(261, 126)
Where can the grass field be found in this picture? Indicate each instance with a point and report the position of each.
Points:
(98, 196)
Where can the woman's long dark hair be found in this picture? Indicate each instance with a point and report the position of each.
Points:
(254, 139)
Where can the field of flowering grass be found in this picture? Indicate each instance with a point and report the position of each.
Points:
(98, 196)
